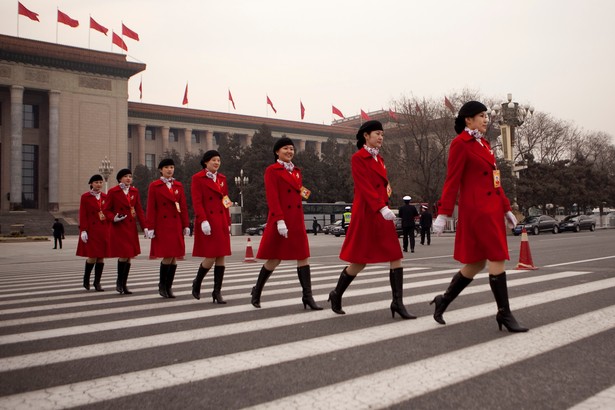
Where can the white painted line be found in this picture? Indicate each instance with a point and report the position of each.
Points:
(580, 261)
(605, 400)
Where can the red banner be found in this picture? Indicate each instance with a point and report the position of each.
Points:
(230, 98)
(129, 33)
(65, 19)
(185, 100)
(98, 27)
(21, 9)
(364, 116)
(337, 112)
(302, 108)
(449, 105)
(270, 103)
(117, 40)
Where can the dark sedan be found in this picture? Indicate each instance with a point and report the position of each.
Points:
(256, 230)
(327, 229)
(537, 224)
(577, 222)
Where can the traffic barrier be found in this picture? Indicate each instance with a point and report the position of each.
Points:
(525, 256)
(249, 253)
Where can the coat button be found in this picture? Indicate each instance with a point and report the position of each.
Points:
(289, 191)
(485, 173)
(489, 193)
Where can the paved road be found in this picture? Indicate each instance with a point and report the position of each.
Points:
(61, 346)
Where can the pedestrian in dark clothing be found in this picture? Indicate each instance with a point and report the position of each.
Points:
(58, 233)
(315, 226)
(408, 213)
(426, 220)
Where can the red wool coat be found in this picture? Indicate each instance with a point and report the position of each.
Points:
(207, 203)
(167, 222)
(124, 236)
(481, 227)
(284, 201)
(370, 237)
(97, 230)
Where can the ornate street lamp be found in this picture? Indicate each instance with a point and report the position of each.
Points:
(105, 169)
(241, 181)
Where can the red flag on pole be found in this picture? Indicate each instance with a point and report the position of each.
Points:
(302, 108)
(185, 100)
(129, 33)
(117, 40)
(418, 109)
(337, 112)
(449, 105)
(141, 90)
(364, 116)
(21, 9)
(270, 103)
(65, 19)
(392, 115)
(98, 27)
(230, 97)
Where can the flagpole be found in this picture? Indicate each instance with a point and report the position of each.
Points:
(18, 19)
(57, 8)
(89, 31)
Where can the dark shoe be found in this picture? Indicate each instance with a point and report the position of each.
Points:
(396, 277)
(335, 296)
(412, 251)
(98, 270)
(218, 277)
(125, 279)
(504, 316)
(162, 282)
(306, 284)
(170, 279)
(86, 275)
(257, 290)
(198, 280)
(121, 266)
(458, 283)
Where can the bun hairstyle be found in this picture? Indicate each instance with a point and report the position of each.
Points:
(94, 178)
(468, 110)
(165, 163)
(207, 156)
(122, 172)
(367, 127)
(282, 142)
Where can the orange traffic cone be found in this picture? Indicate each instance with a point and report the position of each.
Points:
(525, 256)
(249, 253)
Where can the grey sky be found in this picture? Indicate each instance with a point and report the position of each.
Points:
(557, 55)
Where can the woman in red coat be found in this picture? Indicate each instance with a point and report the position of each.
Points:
(371, 236)
(483, 209)
(124, 209)
(167, 224)
(94, 228)
(212, 239)
(285, 237)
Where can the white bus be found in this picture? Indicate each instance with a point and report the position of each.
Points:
(325, 212)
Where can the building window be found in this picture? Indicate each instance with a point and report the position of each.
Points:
(150, 161)
(149, 134)
(173, 135)
(29, 176)
(196, 138)
(129, 131)
(129, 160)
(30, 116)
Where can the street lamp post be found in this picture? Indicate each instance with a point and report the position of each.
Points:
(241, 181)
(105, 169)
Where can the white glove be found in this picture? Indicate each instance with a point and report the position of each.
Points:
(206, 228)
(84, 237)
(186, 231)
(440, 224)
(511, 221)
(118, 218)
(149, 234)
(282, 229)
(387, 213)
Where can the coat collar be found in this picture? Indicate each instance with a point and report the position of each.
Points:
(483, 151)
(213, 185)
(377, 166)
(294, 178)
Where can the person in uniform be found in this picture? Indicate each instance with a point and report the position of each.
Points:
(408, 213)
(123, 209)
(285, 237)
(473, 180)
(371, 237)
(212, 239)
(93, 241)
(58, 233)
(425, 221)
(346, 216)
(167, 224)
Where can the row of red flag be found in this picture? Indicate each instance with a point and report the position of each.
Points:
(66, 19)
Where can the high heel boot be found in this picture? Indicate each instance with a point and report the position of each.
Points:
(306, 284)
(458, 283)
(218, 277)
(198, 280)
(120, 277)
(335, 296)
(170, 279)
(504, 316)
(125, 279)
(260, 284)
(98, 270)
(86, 275)
(396, 277)
(162, 282)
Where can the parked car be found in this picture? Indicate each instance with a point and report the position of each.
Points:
(537, 224)
(339, 230)
(577, 223)
(400, 230)
(256, 230)
(328, 228)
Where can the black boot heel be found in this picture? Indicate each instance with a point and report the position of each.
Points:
(309, 301)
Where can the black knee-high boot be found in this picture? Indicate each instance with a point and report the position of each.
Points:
(306, 284)
(198, 280)
(98, 270)
(335, 296)
(218, 277)
(396, 277)
(119, 283)
(86, 275)
(260, 284)
(170, 279)
(500, 292)
(125, 279)
(458, 284)
(162, 282)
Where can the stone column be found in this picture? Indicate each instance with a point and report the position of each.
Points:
(301, 146)
(188, 139)
(54, 151)
(249, 140)
(209, 140)
(318, 148)
(165, 139)
(140, 145)
(16, 147)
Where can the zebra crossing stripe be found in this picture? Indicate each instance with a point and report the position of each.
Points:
(604, 400)
(436, 372)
